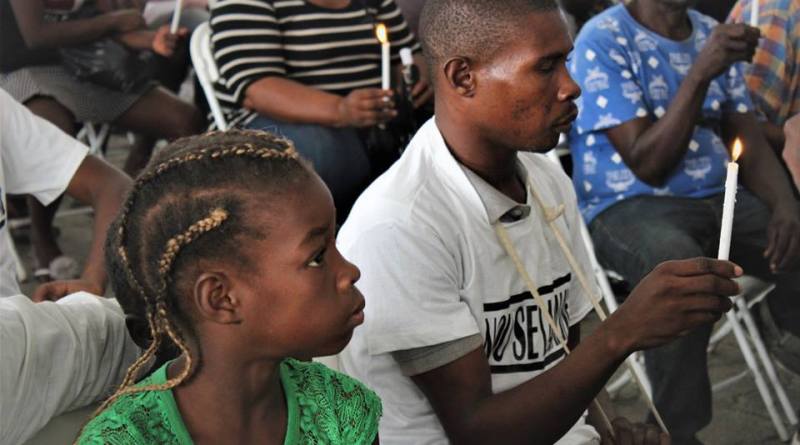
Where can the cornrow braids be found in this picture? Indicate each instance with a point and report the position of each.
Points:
(190, 203)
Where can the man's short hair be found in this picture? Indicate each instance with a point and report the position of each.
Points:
(472, 28)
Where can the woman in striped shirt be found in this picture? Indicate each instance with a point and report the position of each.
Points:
(311, 71)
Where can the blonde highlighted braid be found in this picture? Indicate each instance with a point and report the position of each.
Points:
(223, 163)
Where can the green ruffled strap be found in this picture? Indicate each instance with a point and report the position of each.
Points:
(334, 409)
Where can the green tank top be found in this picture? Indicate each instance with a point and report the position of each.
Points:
(324, 407)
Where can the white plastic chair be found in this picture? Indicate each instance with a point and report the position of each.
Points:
(753, 290)
(206, 69)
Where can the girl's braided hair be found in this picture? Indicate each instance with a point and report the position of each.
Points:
(189, 204)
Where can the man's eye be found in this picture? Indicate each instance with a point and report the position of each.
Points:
(318, 260)
(546, 67)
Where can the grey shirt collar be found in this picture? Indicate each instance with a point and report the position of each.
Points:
(499, 207)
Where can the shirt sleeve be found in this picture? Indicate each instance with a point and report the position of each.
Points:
(246, 43)
(399, 32)
(37, 158)
(58, 357)
(410, 282)
(420, 360)
(611, 93)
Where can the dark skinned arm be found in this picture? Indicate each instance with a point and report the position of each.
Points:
(762, 174)
(675, 297)
(652, 149)
(103, 187)
(774, 135)
(37, 33)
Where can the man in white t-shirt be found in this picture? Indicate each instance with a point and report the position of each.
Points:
(453, 342)
(57, 357)
(39, 159)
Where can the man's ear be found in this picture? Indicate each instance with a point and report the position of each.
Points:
(460, 76)
(214, 300)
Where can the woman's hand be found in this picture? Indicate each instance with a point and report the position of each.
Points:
(164, 42)
(366, 107)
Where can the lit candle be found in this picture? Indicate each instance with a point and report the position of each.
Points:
(754, 14)
(731, 184)
(383, 36)
(176, 17)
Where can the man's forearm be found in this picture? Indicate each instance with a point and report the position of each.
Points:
(657, 151)
(546, 407)
(761, 169)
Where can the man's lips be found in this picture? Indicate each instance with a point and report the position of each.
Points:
(568, 120)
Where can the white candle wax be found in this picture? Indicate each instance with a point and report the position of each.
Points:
(731, 184)
(386, 67)
(176, 17)
(754, 14)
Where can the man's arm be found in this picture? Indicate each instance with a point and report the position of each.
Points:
(791, 151)
(103, 187)
(764, 176)
(652, 149)
(676, 297)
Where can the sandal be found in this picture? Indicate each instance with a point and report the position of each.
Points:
(60, 268)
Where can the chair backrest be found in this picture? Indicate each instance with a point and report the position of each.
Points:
(206, 69)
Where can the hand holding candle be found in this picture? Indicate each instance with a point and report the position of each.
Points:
(731, 185)
(382, 33)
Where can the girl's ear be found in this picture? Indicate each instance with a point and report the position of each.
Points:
(214, 300)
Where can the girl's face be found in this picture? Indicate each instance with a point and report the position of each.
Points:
(298, 298)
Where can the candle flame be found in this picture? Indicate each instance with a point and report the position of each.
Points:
(737, 150)
(381, 33)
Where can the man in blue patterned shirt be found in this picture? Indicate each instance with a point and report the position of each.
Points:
(663, 96)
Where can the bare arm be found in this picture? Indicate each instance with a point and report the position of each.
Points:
(763, 175)
(791, 151)
(40, 34)
(651, 149)
(291, 101)
(103, 187)
(676, 297)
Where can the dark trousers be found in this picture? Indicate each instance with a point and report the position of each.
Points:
(637, 234)
(337, 154)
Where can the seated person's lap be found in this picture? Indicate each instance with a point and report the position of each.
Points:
(338, 155)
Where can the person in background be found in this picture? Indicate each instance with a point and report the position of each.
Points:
(663, 98)
(311, 71)
(37, 158)
(791, 150)
(31, 72)
(773, 77)
(58, 357)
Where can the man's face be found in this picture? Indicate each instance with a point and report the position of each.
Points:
(524, 95)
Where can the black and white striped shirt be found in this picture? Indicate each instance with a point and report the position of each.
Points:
(335, 50)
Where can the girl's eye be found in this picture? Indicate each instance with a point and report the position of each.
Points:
(318, 259)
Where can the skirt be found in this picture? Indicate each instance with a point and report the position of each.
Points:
(88, 102)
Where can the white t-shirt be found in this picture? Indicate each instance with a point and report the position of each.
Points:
(434, 271)
(35, 158)
(57, 357)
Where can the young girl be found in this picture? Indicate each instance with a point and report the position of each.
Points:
(226, 246)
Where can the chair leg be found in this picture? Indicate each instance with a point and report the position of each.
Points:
(766, 361)
(761, 384)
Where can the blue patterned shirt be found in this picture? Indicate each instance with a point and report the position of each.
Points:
(627, 72)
